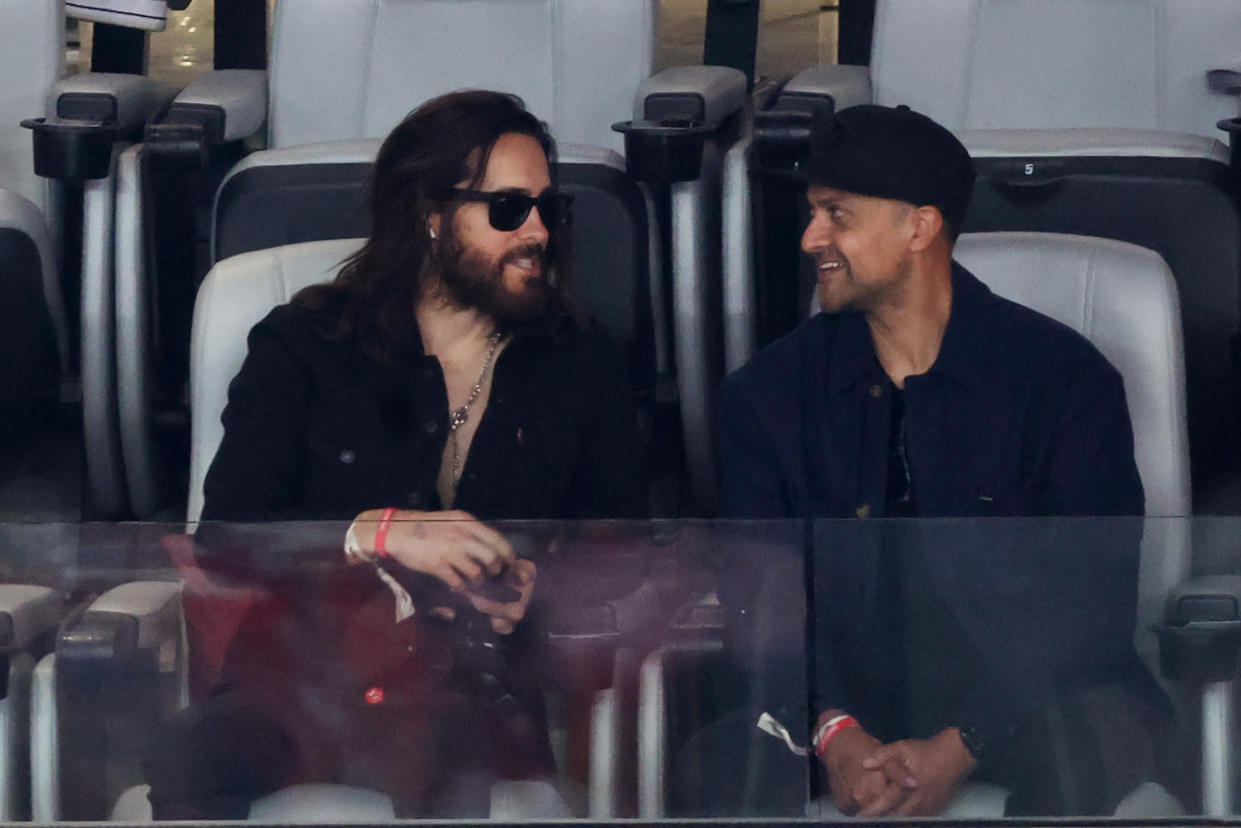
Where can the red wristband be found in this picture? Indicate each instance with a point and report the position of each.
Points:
(830, 729)
(381, 531)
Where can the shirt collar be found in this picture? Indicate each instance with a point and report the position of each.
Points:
(966, 335)
(853, 356)
(554, 324)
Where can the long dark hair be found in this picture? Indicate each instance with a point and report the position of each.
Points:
(445, 141)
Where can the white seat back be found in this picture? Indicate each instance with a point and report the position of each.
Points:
(1018, 64)
(32, 58)
(235, 296)
(348, 69)
(1123, 299)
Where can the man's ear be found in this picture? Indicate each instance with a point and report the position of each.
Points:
(927, 222)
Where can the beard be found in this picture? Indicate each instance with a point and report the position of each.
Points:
(471, 280)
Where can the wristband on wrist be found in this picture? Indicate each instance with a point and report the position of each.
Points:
(828, 730)
(381, 531)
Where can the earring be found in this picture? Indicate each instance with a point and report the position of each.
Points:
(431, 231)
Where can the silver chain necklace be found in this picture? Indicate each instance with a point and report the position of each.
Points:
(460, 416)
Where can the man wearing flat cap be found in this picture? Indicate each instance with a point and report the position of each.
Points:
(918, 393)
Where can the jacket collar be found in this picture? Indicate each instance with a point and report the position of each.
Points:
(553, 325)
(853, 357)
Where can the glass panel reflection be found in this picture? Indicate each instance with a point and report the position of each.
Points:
(251, 670)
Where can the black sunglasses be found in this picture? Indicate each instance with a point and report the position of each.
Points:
(508, 210)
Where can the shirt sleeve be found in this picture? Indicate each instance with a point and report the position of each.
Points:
(755, 485)
(752, 484)
(257, 471)
(1091, 468)
(1081, 610)
(612, 480)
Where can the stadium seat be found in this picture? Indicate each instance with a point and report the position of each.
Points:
(35, 337)
(77, 121)
(344, 73)
(1087, 117)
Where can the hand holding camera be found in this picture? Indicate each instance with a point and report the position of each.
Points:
(468, 556)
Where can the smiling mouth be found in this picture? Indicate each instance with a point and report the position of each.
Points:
(530, 263)
(826, 268)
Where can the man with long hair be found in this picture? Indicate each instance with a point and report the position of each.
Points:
(444, 377)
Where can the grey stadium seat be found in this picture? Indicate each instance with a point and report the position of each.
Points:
(35, 334)
(77, 122)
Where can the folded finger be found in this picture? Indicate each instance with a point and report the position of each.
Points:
(898, 773)
(449, 576)
(466, 566)
(494, 541)
(522, 572)
(511, 611)
(884, 803)
(910, 807)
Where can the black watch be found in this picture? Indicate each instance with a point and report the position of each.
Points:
(981, 745)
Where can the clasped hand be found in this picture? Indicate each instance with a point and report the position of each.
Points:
(912, 777)
(461, 551)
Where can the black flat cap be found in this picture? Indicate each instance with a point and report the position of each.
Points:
(892, 152)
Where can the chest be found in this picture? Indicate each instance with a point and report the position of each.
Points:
(967, 452)
(381, 438)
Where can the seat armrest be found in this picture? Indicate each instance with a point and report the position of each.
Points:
(706, 95)
(149, 15)
(127, 100)
(677, 111)
(1200, 639)
(27, 612)
(87, 114)
(126, 620)
(1225, 81)
(843, 86)
(233, 102)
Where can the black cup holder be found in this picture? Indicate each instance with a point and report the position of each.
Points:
(1233, 127)
(1199, 653)
(663, 151)
(72, 149)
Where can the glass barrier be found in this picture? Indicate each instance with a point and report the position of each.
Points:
(1019, 668)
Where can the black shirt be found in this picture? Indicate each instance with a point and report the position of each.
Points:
(316, 429)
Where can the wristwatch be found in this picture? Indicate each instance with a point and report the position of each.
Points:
(982, 745)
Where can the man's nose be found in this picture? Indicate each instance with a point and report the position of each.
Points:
(817, 235)
(533, 229)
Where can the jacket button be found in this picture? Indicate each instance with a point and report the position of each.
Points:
(347, 456)
(414, 499)
(431, 426)
(876, 391)
(863, 511)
